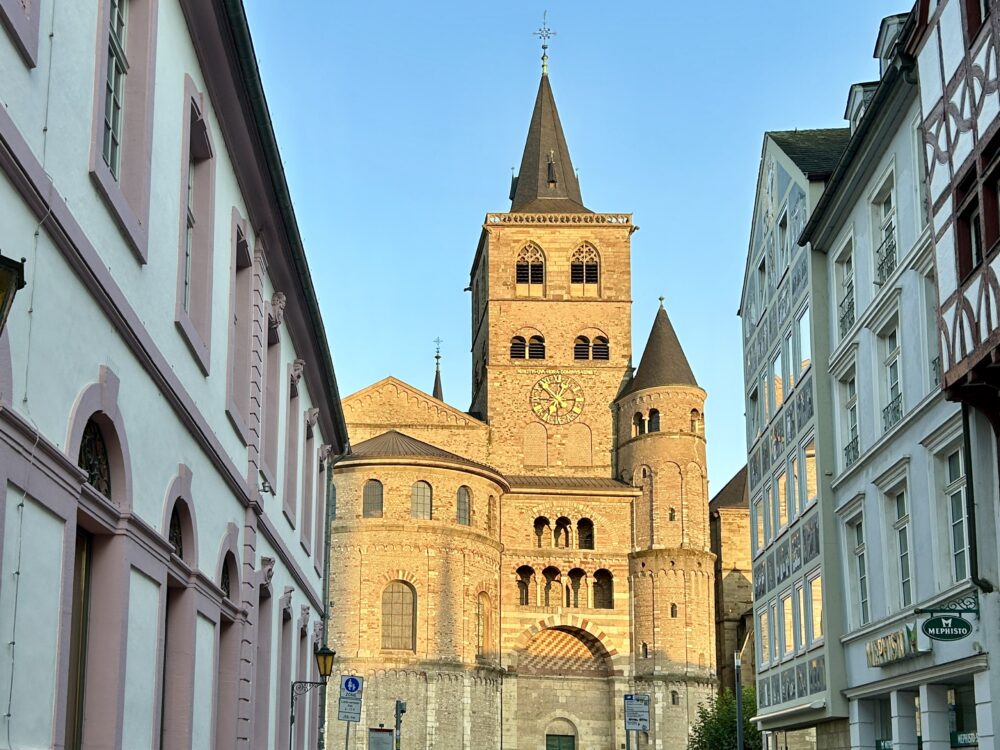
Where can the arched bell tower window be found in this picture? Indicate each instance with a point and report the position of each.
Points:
(536, 347)
(530, 271)
(604, 589)
(584, 271)
(585, 533)
(518, 348)
(581, 348)
(525, 585)
(601, 349)
(638, 424)
(654, 420)
(93, 459)
(697, 422)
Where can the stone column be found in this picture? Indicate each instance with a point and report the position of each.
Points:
(934, 728)
(904, 720)
(862, 724)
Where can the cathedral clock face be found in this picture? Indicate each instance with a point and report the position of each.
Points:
(557, 399)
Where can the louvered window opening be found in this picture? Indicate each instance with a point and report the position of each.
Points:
(530, 273)
(601, 350)
(581, 349)
(536, 348)
(518, 348)
(420, 501)
(93, 459)
(372, 499)
(462, 510)
(583, 273)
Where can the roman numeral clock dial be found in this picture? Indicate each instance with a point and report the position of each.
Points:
(556, 399)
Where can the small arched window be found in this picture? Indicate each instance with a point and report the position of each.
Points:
(573, 593)
(584, 267)
(536, 347)
(371, 503)
(697, 422)
(585, 533)
(675, 698)
(530, 270)
(229, 576)
(673, 611)
(563, 525)
(602, 349)
(399, 616)
(604, 589)
(553, 585)
(638, 424)
(581, 348)
(654, 420)
(93, 458)
(672, 515)
(525, 584)
(463, 504)
(543, 531)
(645, 650)
(484, 634)
(518, 348)
(421, 503)
(175, 533)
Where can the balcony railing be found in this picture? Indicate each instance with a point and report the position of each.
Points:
(885, 258)
(851, 452)
(892, 413)
(847, 313)
(936, 371)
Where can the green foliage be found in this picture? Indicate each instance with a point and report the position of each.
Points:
(715, 728)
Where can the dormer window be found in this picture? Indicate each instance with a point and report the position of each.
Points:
(857, 103)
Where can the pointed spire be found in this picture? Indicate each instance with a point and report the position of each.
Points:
(546, 181)
(663, 361)
(438, 392)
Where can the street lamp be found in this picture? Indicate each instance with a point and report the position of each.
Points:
(324, 665)
(11, 279)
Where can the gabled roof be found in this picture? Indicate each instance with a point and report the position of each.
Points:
(521, 481)
(734, 494)
(546, 181)
(815, 152)
(663, 361)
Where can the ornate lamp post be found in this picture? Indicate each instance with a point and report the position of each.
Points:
(324, 665)
(11, 279)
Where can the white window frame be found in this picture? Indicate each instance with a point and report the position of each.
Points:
(795, 503)
(758, 534)
(811, 630)
(955, 499)
(763, 632)
(802, 335)
(901, 544)
(857, 561)
(781, 498)
(845, 286)
(808, 499)
(787, 624)
(800, 611)
(776, 375)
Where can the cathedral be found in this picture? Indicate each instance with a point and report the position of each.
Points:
(512, 571)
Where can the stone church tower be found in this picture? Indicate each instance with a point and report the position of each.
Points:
(513, 570)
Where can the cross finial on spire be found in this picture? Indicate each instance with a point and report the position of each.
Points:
(661, 300)
(545, 33)
(437, 353)
(438, 392)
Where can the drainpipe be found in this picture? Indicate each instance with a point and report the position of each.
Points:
(970, 506)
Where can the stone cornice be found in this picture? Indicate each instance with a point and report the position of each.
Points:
(561, 219)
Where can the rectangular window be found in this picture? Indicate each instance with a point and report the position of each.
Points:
(753, 414)
(892, 412)
(801, 616)
(783, 243)
(758, 521)
(762, 284)
(815, 609)
(810, 489)
(845, 290)
(767, 399)
(763, 632)
(885, 239)
(794, 487)
(859, 572)
(901, 532)
(115, 91)
(803, 342)
(778, 387)
(787, 625)
(769, 528)
(289, 495)
(788, 355)
(849, 396)
(781, 496)
(241, 312)
(775, 631)
(955, 498)
(969, 235)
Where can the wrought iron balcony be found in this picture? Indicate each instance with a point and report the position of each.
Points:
(851, 452)
(892, 413)
(936, 371)
(885, 258)
(847, 313)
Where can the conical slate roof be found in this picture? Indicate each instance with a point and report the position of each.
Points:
(663, 361)
(546, 181)
(438, 391)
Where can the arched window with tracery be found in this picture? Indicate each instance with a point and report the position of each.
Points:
(604, 589)
(372, 499)
(654, 420)
(563, 525)
(525, 585)
(463, 506)
(421, 501)
(399, 616)
(584, 271)
(536, 347)
(585, 533)
(601, 349)
(518, 348)
(551, 593)
(581, 348)
(529, 271)
(93, 458)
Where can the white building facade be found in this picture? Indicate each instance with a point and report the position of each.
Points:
(899, 486)
(168, 399)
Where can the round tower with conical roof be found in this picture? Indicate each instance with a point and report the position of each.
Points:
(660, 438)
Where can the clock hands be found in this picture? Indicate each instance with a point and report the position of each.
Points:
(557, 396)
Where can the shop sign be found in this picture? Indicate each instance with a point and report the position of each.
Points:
(892, 647)
(946, 627)
(965, 739)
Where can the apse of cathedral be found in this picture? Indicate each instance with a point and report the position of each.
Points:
(512, 571)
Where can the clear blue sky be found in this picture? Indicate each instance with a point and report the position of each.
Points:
(399, 122)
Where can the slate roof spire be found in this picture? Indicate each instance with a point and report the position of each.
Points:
(438, 392)
(663, 361)
(546, 181)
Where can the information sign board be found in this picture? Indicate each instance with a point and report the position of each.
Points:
(351, 686)
(379, 739)
(637, 712)
(349, 709)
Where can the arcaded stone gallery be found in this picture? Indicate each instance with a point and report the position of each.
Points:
(513, 570)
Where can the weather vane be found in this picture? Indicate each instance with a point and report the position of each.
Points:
(545, 33)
